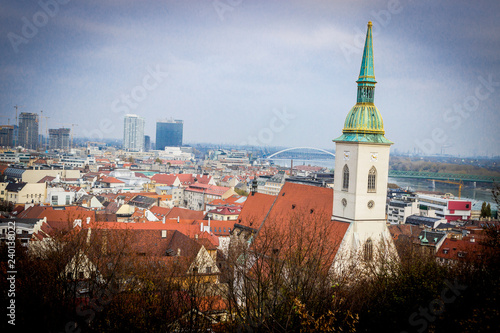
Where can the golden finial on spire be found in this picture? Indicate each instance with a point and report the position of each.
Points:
(370, 23)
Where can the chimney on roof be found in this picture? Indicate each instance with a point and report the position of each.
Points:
(178, 252)
(88, 219)
(178, 219)
(163, 220)
(201, 226)
(209, 222)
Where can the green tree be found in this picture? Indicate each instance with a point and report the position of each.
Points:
(488, 210)
(483, 209)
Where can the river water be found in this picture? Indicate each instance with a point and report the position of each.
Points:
(481, 192)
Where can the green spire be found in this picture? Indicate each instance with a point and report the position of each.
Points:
(364, 122)
(367, 72)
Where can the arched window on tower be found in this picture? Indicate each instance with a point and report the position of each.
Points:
(372, 180)
(368, 250)
(345, 179)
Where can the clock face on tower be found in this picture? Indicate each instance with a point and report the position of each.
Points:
(346, 155)
(374, 157)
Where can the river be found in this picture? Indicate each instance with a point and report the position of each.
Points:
(482, 191)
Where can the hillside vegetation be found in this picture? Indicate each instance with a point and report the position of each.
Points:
(408, 164)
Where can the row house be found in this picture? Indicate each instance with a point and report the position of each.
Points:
(25, 193)
(196, 196)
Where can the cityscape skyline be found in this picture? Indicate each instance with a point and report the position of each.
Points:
(232, 72)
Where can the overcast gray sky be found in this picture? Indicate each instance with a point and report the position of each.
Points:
(268, 72)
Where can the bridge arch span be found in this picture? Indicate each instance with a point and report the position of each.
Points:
(297, 148)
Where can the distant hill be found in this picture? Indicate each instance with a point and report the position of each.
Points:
(407, 164)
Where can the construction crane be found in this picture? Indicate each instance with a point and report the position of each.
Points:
(460, 184)
(72, 127)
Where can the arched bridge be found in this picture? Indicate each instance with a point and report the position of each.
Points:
(298, 148)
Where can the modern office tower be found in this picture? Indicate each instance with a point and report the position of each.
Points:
(147, 142)
(59, 138)
(169, 134)
(7, 133)
(28, 130)
(133, 133)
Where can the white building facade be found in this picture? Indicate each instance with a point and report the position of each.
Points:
(133, 133)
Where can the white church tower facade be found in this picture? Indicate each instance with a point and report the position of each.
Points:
(361, 168)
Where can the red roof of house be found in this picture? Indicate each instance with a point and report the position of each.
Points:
(220, 228)
(46, 179)
(207, 189)
(184, 214)
(460, 249)
(108, 179)
(255, 208)
(3, 167)
(223, 210)
(68, 214)
(159, 212)
(187, 178)
(162, 178)
(299, 211)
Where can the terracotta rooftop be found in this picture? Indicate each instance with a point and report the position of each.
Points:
(107, 179)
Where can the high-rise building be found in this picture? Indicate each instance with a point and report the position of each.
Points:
(28, 130)
(169, 134)
(147, 143)
(7, 135)
(133, 133)
(59, 138)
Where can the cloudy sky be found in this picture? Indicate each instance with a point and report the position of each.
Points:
(258, 72)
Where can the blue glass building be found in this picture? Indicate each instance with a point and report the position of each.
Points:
(169, 134)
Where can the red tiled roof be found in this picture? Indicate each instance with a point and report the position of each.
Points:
(167, 179)
(217, 202)
(46, 179)
(460, 249)
(226, 210)
(187, 229)
(299, 211)
(3, 167)
(107, 179)
(208, 189)
(220, 228)
(184, 214)
(159, 212)
(255, 208)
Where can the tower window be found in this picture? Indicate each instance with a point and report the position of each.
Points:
(372, 180)
(368, 250)
(345, 179)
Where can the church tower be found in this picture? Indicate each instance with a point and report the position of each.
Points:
(362, 161)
